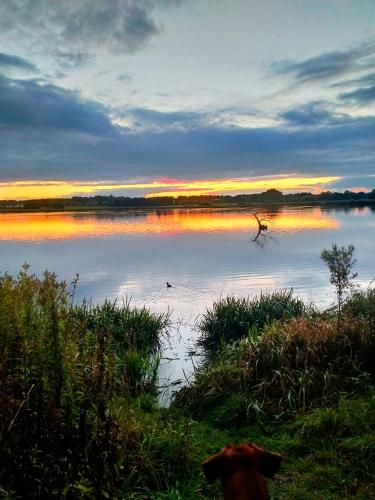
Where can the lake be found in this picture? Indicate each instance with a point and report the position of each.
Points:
(203, 253)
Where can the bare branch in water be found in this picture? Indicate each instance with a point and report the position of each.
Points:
(261, 226)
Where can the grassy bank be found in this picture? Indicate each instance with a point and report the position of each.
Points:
(79, 416)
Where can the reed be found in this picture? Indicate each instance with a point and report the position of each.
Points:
(232, 318)
(64, 372)
(131, 327)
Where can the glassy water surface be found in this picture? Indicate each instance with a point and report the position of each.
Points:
(203, 253)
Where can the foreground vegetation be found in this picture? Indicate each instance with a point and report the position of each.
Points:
(67, 374)
(79, 416)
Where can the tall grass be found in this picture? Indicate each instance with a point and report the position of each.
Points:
(64, 372)
(295, 365)
(232, 318)
(131, 327)
(362, 304)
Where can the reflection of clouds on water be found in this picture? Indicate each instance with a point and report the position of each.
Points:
(360, 211)
(210, 256)
(37, 227)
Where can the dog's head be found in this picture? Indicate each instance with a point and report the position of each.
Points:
(233, 458)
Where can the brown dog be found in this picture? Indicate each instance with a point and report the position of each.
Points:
(241, 469)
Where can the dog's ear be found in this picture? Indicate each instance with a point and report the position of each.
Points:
(270, 463)
(213, 467)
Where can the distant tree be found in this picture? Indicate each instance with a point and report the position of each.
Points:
(340, 262)
(272, 195)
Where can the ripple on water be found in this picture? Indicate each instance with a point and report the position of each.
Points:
(202, 253)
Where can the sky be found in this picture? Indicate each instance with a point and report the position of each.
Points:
(149, 97)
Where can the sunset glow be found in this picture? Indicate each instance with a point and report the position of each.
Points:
(20, 190)
(25, 190)
(56, 226)
(210, 187)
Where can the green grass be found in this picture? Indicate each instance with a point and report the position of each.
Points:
(317, 464)
(232, 318)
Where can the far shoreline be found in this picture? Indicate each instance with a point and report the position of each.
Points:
(203, 205)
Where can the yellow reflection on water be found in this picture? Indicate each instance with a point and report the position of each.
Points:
(64, 226)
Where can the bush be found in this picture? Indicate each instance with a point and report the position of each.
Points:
(231, 318)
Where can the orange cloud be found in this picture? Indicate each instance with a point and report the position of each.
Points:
(360, 190)
(206, 187)
(19, 190)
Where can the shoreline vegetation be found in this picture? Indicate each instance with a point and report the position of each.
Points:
(269, 198)
(79, 411)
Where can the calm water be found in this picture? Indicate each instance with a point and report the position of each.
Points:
(203, 253)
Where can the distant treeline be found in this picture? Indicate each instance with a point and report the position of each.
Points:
(271, 196)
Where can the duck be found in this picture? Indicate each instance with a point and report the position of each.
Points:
(169, 285)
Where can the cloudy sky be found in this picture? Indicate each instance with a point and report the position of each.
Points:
(185, 96)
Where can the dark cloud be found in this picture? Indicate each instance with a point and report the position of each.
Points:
(122, 26)
(361, 96)
(158, 120)
(351, 181)
(328, 65)
(10, 61)
(80, 26)
(27, 104)
(313, 113)
(364, 80)
(48, 132)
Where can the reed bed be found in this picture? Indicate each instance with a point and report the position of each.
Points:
(232, 318)
(131, 327)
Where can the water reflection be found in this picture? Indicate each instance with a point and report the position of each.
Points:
(202, 253)
(64, 226)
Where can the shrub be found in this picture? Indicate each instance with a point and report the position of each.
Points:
(231, 318)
